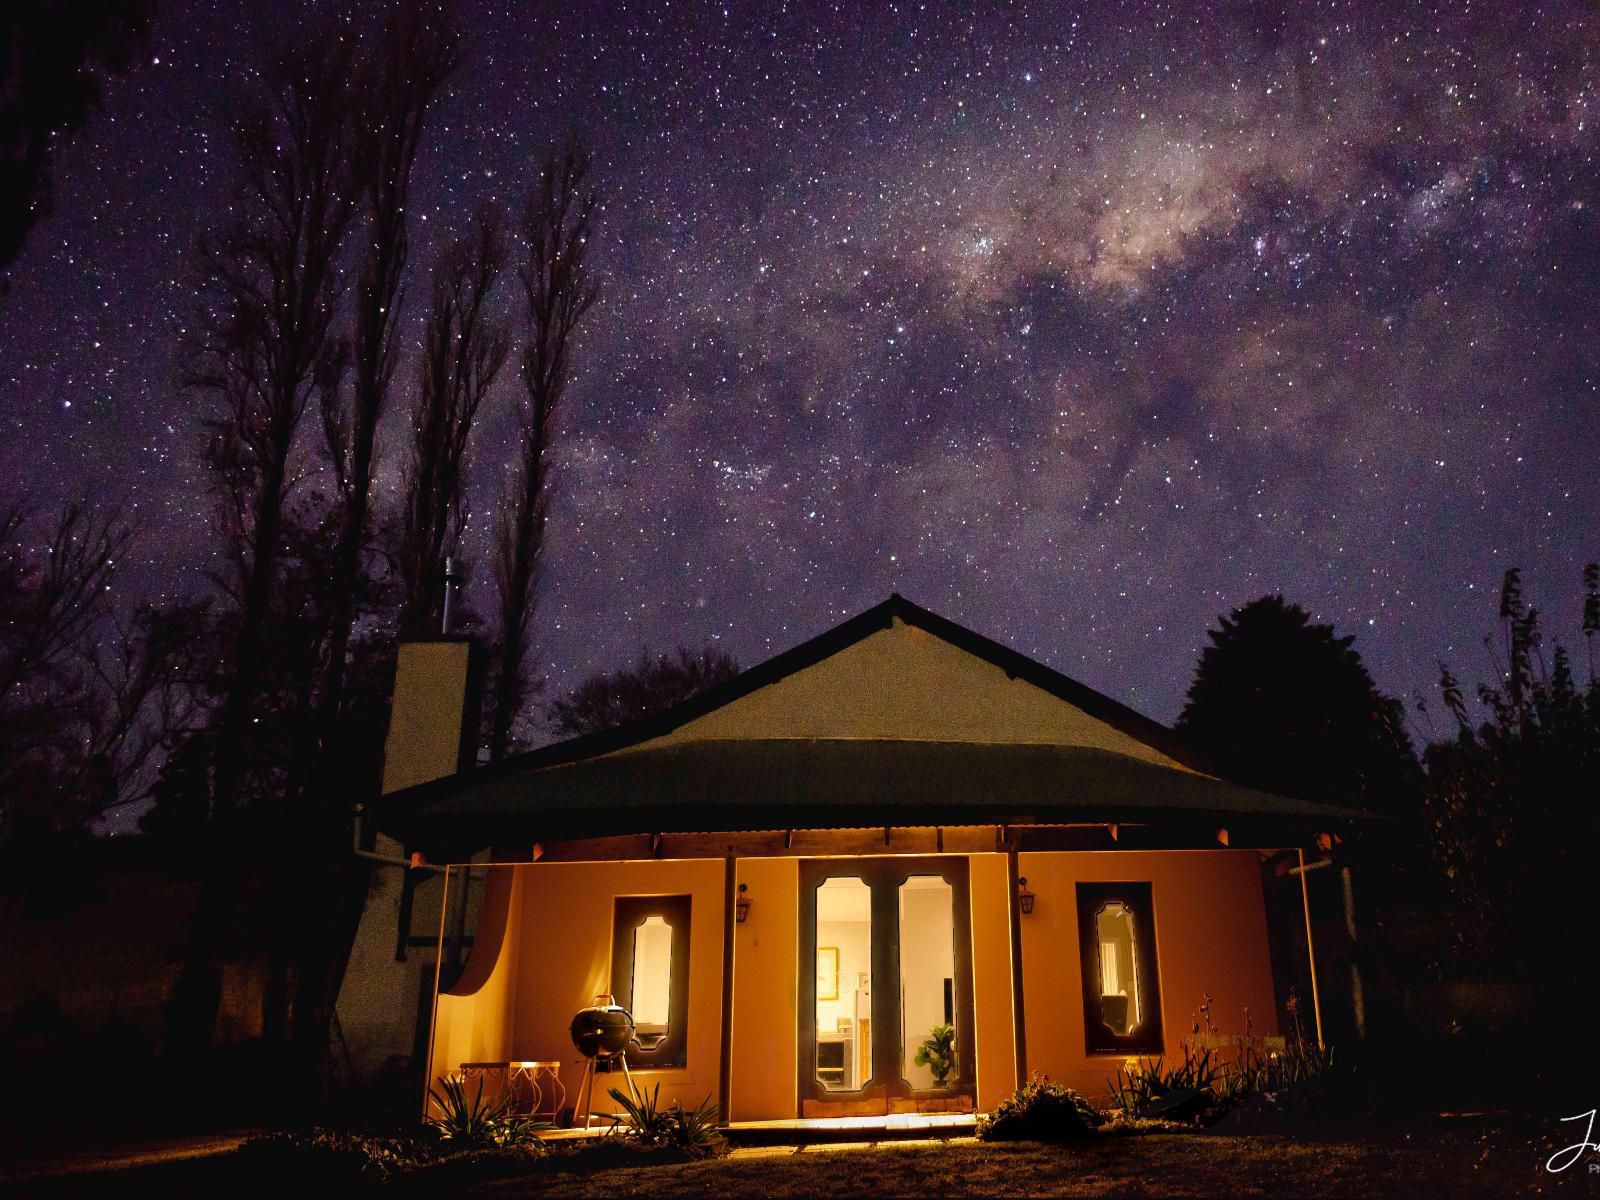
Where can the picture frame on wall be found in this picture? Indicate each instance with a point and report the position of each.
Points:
(827, 972)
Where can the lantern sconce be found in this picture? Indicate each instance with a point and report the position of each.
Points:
(1024, 897)
(741, 906)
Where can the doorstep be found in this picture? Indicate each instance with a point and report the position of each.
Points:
(816, 1130)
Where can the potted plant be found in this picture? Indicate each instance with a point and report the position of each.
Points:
(938, 1053)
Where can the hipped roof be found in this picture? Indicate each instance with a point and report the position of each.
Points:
(663, 774)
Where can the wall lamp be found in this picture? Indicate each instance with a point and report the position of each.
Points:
(741, 906)
(1024, 897)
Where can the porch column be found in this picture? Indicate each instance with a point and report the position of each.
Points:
(730, 896)
(1311, 948)
(1019, 1030)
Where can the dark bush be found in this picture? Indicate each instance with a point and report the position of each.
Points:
(332, 1158)
(1041, 1111)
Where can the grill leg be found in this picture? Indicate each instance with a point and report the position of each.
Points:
(633, 1089)
(585, 1099)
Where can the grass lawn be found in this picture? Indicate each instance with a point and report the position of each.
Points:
(1470, 1158)
(1454, 1162)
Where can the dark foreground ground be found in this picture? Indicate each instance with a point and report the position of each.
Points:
(1467, 1156)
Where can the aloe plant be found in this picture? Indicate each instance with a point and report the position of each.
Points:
(692, 1131)
(476, 1122)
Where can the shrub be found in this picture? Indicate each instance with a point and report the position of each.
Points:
(1206, 1086)
(1041, 1111)
(651, 1126)
(1187, 1088)
(330, 1156)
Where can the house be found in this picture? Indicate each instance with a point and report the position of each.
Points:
(796, 878)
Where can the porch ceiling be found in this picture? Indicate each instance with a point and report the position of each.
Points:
(744, 784)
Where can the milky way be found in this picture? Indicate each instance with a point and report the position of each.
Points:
(1076, 325)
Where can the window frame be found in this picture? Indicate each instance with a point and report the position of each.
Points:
(627, 914)
(1138, 899)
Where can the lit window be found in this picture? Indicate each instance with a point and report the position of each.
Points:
(650, 975)
(844, 984)
(652, 980)
(1121, 997)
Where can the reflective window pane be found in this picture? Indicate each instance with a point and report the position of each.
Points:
(927, 982)
(652, 980)
(1120, 1002)
(844, 984)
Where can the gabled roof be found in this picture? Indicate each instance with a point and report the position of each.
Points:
(679, 769)
(857, 629)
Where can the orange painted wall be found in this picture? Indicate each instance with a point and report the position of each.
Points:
(474, 1021)
(544, 950)
(1211, 936)
(564, 959)
(766, 959)
(991, 978)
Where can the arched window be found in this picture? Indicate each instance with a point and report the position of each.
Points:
(650, 976)
(1121, 991)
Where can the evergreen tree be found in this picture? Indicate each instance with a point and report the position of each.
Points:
(1287, 706)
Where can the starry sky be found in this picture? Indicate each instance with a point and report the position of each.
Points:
(1078, 324)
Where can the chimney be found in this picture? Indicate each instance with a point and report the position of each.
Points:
(438, 693)
(433, 724)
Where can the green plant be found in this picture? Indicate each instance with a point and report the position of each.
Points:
(475, 1122)
(694, 1132)
(1206, 1085)
(938, 1053)
(1043, 1111)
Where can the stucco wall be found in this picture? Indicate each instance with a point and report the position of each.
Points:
(765, 991)
(991, 978)
(906, 683)
(552, 926)
(474, 1021)
(424, 738)
(564, 960)
(1211, 937)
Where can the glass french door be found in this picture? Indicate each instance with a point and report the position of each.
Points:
(885, 987)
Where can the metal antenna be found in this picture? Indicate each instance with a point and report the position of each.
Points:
(452, 579)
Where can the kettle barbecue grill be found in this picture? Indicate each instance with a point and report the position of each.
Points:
(602, 1033)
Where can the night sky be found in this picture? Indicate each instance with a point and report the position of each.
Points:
(1078, 325)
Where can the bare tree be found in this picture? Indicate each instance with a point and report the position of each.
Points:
(556, 226)
(146, 679)
(394, 92)
(652, 683)
(55, 597)
(262, 342)
(463, 351)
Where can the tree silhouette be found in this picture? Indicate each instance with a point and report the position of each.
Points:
(89, 694)
(264, 344)
(55, 585)
(558, 289)
(463, 351)
(1510, 798)
(52, 56)
(653, 682)
(394, 90)
(1284, 705)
